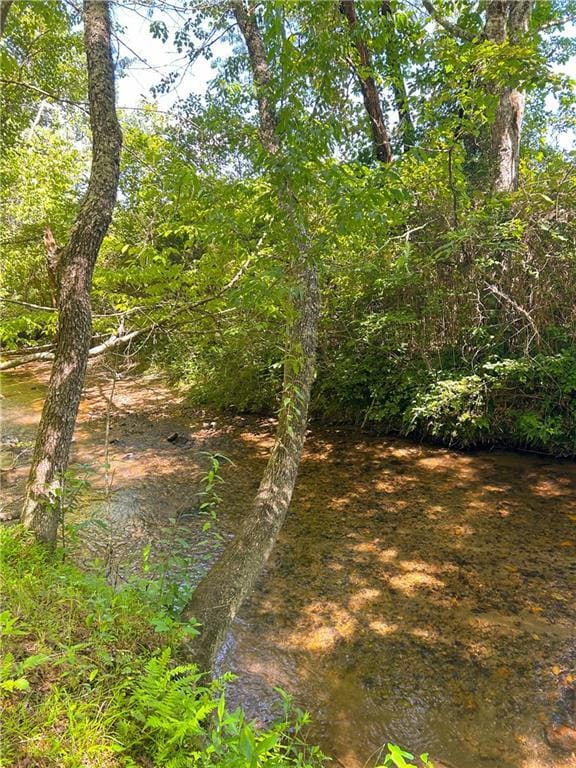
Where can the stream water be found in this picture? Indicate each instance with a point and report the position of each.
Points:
(416, 595)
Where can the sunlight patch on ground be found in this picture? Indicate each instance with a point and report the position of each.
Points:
(361, 599)
(383, 628)
(410, 582)
(424, 633)
(325, 624)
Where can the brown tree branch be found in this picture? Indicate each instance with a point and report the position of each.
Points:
(518, 307)
(406, 124)
(42, 92)
(111, 343)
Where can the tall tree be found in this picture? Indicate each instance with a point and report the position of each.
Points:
(220, 594)
(73, 278)
(364, 73)
(506, 21)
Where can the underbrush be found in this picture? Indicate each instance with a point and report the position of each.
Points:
(524, 403)
(94, 677)
(527, 403)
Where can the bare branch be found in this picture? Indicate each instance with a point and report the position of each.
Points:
(520, 309)
(110, 343)
(28, 304)
(557, 23)
(41, 92)
(36, 357)
(27, 350)
(115, 341)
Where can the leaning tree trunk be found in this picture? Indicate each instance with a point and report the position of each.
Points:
(74, 277)
(370, 95)
(506, 19)
(220, 594)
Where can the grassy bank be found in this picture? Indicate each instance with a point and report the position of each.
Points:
(96, 677)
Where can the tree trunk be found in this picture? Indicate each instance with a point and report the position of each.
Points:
(74, 277)
(370, 96)
(499, 145)
(4, 8)
(52, 257)
(220, 594)
(394, 65)
(506, 20)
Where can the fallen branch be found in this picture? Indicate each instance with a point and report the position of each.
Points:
(117, 341)
(520, 309)
(29, 305)
(27, 350)
(25, 360)
(110, 343)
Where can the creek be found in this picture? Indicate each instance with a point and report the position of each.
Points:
(416, 595)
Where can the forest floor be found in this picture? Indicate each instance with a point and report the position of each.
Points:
(417, 595)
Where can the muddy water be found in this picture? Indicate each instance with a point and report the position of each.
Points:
(416, 595)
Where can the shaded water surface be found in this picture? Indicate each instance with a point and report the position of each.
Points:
(416, 595)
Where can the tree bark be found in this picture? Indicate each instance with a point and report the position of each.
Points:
(52, 253)
(370, 95)
(4, 9)
(222, 591)
(261, 74)
(506, 20)
(74, 276)
(220, 594)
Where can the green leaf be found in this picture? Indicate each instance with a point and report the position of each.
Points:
(19, 684)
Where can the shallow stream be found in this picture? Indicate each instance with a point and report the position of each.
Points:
(417, 595)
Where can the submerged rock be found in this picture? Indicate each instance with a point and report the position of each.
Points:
(561, 737)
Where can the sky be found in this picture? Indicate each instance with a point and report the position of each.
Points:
(151, 59)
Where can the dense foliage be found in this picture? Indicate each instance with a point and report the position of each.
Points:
(448, 288)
